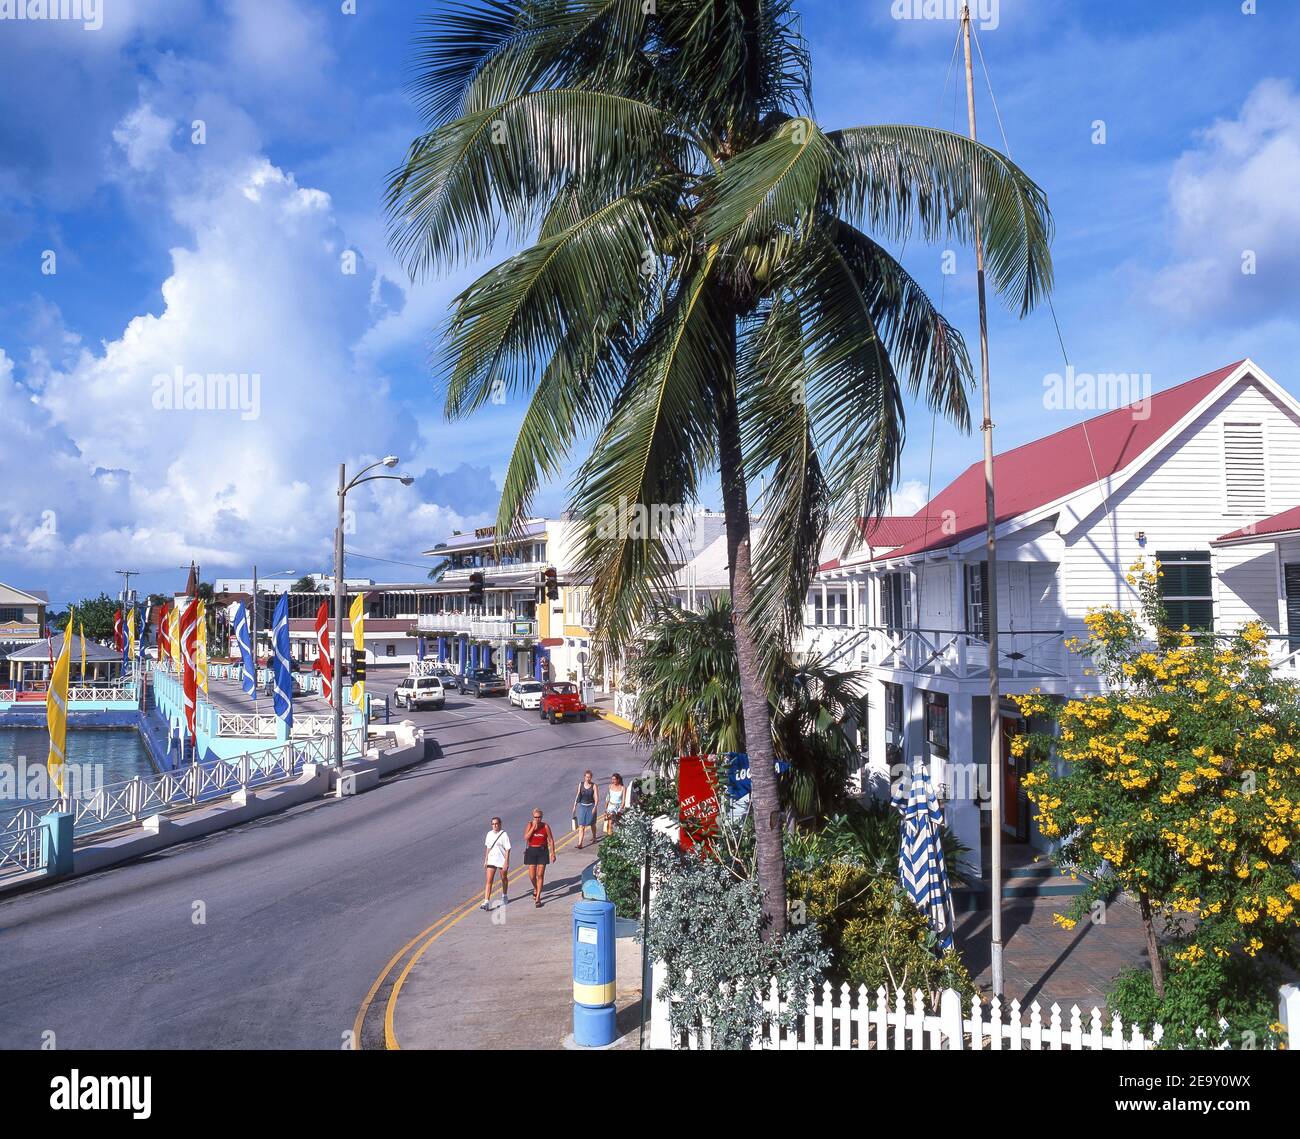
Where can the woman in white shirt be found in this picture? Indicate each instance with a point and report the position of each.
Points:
(496, 856)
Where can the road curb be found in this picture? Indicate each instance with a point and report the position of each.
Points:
(615, 719)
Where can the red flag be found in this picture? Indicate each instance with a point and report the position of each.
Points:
(324, 665)
(164, 638)
(189, 680)
(117, 630)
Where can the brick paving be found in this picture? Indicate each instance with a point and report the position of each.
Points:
(1043, 962)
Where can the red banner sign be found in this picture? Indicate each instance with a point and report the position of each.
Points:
(697, 801)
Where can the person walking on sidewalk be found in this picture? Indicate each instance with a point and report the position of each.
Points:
(539, 852)
(496, 856)
(584, 808)
(615, 801)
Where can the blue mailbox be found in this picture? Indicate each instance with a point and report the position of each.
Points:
(594, 1013)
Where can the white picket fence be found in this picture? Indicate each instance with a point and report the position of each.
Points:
(850, 1020)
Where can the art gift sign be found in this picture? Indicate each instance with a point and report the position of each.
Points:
(697, 801)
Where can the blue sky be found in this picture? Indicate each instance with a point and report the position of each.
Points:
(226, 256)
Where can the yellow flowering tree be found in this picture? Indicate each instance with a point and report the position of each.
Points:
(1180, 785)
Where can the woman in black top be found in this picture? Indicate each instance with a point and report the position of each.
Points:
(584, 808)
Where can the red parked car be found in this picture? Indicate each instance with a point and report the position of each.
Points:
(562, 701)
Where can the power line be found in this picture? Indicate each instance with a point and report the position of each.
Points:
(426, 566)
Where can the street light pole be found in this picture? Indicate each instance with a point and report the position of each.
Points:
(340, 593)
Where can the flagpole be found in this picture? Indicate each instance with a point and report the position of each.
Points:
(991, 553)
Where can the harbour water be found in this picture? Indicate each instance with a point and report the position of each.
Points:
(107, 755)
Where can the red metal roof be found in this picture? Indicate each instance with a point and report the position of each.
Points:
(1282, 523)
(891, 529)
(1057, 465)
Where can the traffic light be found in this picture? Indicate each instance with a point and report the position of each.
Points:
(552, 585)
(476, 588)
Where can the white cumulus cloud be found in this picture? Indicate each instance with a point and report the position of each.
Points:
(1234, 207)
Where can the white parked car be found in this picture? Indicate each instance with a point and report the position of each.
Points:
(526, 694)
(420, 692)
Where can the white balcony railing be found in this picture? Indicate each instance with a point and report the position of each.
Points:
(1284, 656)
(479, 628)
(959, 655)
(512, 570)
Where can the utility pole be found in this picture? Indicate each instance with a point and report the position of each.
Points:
(991, 554)
(127, 575)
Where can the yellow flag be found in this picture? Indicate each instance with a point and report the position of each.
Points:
(201, 650)
(83, 652)
(174, 631)
(130, 635)
(56, 709)
(357, 618)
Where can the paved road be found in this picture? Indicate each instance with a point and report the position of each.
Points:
(300, 912)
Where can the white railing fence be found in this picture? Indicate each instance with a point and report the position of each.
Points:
(116, 692)
(625, 705)
(248, 725)
(130, 800)
(849, 1020)
(20, 841)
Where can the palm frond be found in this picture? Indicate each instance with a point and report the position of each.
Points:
(649, 458)
(897, 179)
(509, 323)
(773, 187)
(779, 448)
(506, 163)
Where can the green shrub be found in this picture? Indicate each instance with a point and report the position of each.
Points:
(620, 876)
(875, 933)
(1199, 998)
(867, 835)
(705, 927)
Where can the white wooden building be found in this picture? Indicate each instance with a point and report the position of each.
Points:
(1194, 476)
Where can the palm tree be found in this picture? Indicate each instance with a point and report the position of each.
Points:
(696, 290)
(688, 702)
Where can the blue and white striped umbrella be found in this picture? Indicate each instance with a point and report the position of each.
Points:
(283, 697)
(920, 855)
(248, 671)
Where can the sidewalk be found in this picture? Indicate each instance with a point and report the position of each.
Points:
(1045, 963)
(504, 979)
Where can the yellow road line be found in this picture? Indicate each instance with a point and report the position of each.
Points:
(390, 1011)
(436, 929)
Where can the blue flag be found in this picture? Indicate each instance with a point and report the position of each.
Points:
(248, 672)
(283, 699)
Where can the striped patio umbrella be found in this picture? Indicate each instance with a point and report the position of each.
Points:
(920, 855)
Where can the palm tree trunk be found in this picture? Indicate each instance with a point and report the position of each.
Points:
(765, 797)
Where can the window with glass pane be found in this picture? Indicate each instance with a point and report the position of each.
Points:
(894, 707)
(896, 601)
(977, 591)
(1185, 588)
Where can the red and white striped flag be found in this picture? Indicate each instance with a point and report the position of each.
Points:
(189, 678)
(117, 630)
(324, 665)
